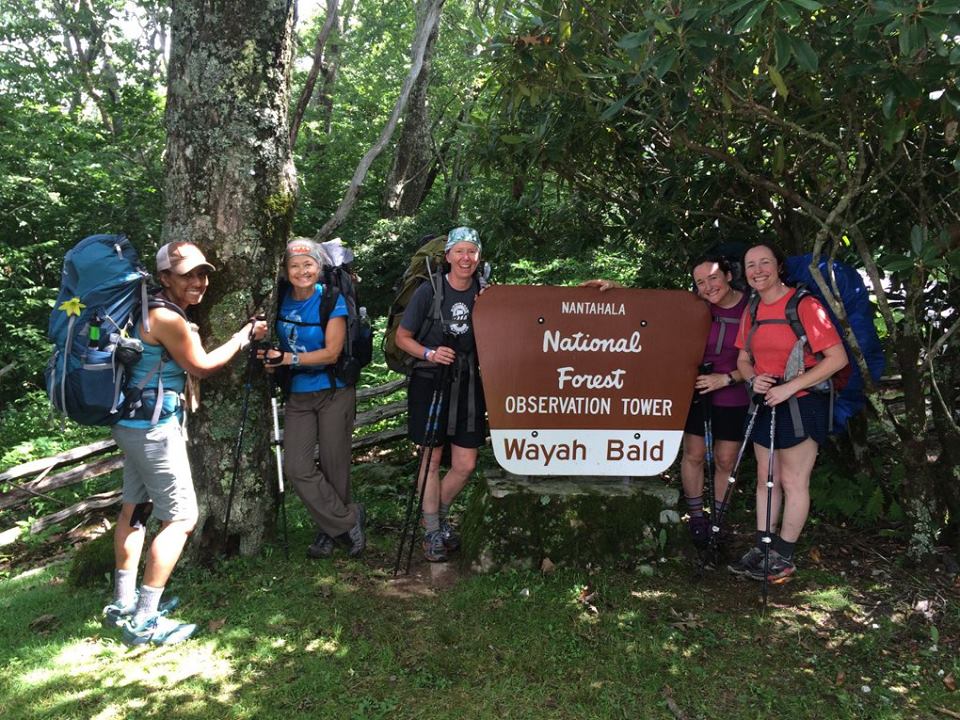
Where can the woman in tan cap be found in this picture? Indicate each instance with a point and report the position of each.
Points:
(156, 469)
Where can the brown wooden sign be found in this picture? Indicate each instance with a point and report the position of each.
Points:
(579, 382)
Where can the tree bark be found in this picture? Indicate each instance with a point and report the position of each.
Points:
(230, 187)
(413, 158)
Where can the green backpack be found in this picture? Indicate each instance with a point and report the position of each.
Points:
(426, 265)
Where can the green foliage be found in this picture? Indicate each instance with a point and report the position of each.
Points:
(28, 431)
(93, 563)
(69, 166)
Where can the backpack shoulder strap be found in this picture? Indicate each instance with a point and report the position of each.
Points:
(752, 309)
(435, 278)
(327, 304)
(155, 301)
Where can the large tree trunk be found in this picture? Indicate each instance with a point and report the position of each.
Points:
(414, 158)
(230, 187)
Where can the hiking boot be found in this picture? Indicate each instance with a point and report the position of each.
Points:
(699, 527)
(433, 548)
(451, 540)
(156, 630)
(356, 535)
(778, 567)
(746, 565)
(322, 546)
(115, 616)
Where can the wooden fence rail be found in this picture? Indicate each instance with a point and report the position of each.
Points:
(87, 463)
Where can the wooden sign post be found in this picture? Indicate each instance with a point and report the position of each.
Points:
(579, 382)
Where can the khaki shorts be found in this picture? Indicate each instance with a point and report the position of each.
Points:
(156, 468)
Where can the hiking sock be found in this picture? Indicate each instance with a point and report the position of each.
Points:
(761, 535)
(444, 510)
(431, 522)
(124, 587)
(783, 547)
(694, 506)
(147, 605)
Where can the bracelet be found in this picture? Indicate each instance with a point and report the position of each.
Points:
(730, 378)
(427, 351)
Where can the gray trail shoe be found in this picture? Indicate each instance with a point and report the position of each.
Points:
(322, 546)
(357, 535)
(751, 562)
(778, 567)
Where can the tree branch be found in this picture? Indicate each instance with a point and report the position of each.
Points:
(429, 20)
(304, 101)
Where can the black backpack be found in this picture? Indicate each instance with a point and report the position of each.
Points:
(337, 281)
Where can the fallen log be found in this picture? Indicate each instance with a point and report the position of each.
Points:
(25, 491)
(64, 458)
(94, 502)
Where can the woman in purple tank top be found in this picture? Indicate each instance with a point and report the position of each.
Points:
(720, 398)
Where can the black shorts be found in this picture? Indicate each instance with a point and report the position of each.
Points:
(814, 415)
(729, 423)
(420, 393)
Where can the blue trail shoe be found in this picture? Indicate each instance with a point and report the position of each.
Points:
(451, 540)
(156, 630)
(433, 548)
(115, 616)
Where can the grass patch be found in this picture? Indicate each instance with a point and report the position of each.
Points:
(345, 639)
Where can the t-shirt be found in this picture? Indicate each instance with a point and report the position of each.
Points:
(299, 330)
(456, 312)
(725, 361)
(771, 343)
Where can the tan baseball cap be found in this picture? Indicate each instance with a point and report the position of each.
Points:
(180, 258)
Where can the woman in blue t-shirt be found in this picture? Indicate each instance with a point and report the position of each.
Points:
(320, 409)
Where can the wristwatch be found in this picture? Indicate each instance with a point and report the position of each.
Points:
(730, 379)
(294, 358)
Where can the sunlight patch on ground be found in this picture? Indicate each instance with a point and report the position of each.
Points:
(326, 646)
(826, 598)
(84, 662)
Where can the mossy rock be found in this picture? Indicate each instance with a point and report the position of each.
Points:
(517, 522)
(93, 562)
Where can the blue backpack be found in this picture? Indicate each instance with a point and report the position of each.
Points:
(847, 394)
(103, 294)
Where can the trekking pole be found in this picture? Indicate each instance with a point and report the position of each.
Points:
(277, 443)
(717, 524)
(707, 401)
(431, 432)
(238, 447)
(766, 538)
